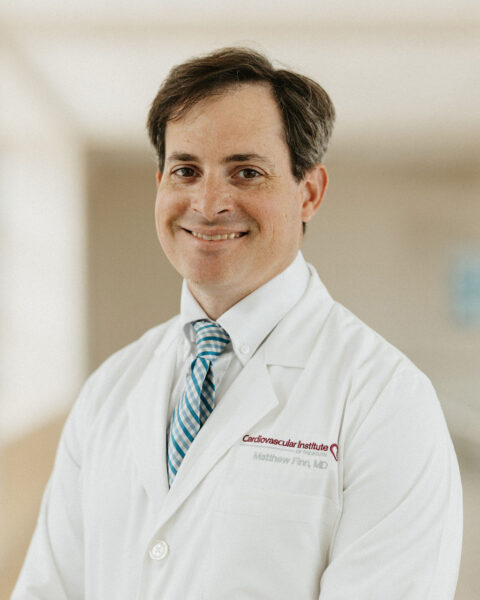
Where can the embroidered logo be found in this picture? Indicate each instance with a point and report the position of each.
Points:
(299, 445)
(334, 451)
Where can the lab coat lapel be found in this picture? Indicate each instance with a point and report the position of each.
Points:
(247, 401)
(148, 415)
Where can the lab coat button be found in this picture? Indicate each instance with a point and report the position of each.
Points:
(244, 349)
(159, 551)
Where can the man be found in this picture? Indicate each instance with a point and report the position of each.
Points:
(264, 443)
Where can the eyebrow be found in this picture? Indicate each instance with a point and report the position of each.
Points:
(247, 158)
(183, 157)
(240, 157)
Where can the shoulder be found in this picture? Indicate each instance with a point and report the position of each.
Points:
(107, 389)
(362, 347)
(351, 346)
(365, 366)
(119, 373)
(374, 363)
(137, 352)
(384, 390)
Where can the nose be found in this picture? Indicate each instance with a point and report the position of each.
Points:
(212, 197)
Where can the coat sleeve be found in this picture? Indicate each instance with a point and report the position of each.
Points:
(400, 532)
(54, 565)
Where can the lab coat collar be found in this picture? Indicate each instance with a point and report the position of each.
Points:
(291, 342)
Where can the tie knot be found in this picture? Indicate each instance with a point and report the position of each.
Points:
(210, 338)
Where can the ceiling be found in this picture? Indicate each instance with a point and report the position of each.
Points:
(402, 76)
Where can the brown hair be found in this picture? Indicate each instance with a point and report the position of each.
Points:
(307, 111)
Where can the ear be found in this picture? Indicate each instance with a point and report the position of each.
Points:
(314, 184)
(159, 178)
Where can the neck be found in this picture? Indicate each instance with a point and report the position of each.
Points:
(215, 305)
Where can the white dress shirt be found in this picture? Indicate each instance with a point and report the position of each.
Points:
(247, 323)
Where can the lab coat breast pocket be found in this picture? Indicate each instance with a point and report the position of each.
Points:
(268, 539)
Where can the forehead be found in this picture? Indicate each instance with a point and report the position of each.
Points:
(238, 117)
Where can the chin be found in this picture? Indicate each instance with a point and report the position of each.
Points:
(212, 278)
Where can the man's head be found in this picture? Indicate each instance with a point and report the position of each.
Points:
(307, 111)
(232, 195)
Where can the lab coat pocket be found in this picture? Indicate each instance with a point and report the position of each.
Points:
(268, 540)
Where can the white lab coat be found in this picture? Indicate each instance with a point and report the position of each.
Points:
(372, 512)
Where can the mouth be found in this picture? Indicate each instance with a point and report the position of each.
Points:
(216, 237)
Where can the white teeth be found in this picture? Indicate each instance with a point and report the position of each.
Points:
(226, 236)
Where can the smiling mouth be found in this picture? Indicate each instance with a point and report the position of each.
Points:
(218, 236)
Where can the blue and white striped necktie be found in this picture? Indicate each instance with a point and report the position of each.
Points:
(198, 399)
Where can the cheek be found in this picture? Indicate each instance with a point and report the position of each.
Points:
(158, 216)
(164, 215)
(266, 210)
(278, 216)
(166, 208)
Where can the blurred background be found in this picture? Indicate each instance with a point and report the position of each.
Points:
(397, 239)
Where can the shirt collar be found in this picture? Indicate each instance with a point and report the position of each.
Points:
(251, 320)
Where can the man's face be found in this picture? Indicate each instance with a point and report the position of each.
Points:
(228, 210)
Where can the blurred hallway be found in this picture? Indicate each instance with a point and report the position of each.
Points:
(397, 240)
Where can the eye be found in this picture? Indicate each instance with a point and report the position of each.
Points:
(248, 173)
(184, 172)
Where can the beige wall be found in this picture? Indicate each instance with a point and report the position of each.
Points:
(131, 285)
